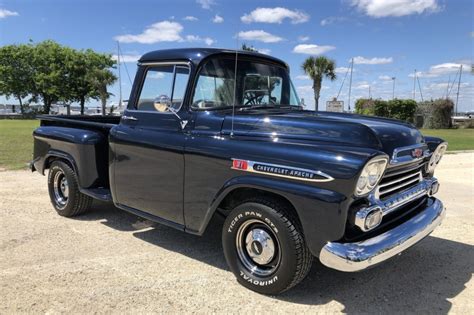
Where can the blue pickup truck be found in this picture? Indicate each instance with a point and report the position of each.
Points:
(213, 132)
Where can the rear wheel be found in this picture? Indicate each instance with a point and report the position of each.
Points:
(264, 246)
(64, 192)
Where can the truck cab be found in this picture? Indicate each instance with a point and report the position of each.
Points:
(219, 132)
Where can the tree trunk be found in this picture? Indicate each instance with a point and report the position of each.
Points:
(317, 91)
(104, 103)
(13, 109)
(22, 110)
(83, 101)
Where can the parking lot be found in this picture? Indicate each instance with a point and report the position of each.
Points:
(111, 261)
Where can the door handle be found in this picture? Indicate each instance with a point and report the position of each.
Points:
(131, 118)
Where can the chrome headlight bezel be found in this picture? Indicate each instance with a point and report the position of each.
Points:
(366, 181)
(436, 157)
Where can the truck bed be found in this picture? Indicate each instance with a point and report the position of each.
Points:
(77, 121)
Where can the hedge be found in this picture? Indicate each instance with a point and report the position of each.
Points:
(436, 113)
(403, 109)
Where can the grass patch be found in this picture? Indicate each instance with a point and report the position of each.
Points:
(16, 143)
(458, 139)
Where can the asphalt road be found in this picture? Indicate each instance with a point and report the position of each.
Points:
(109, 261)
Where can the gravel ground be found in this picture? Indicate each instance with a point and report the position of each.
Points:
(111, 261)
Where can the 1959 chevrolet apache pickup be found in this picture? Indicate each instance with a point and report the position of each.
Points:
(218, 132)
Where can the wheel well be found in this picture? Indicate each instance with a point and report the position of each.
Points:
(53, 158)
(239, 195)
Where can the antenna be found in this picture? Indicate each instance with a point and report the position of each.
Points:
(235, 87)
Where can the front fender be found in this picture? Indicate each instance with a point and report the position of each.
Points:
(322, 212)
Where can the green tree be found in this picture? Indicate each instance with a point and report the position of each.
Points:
(82, 82)
(100, 79)
(51, 63)
(317, 68)
(16, 72)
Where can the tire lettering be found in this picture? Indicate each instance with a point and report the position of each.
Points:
(234, 221)
(258, 282)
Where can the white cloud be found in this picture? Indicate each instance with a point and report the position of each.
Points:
(312, 49)
(372, 61)
(275, 15)
(259, 35)
(164, 31)
(332, 19)
(302, 77)
(384, 8)
(303, 38)
(132, 58)
(305, 88)
(363, 85)
(194, 38)
(190, 18)
(206, 4)
(218, 19)
(6, 13)
(343, 70)
(265, 51)
(441, 69)
(385, 78)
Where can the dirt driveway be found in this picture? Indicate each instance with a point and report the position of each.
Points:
(111, 261)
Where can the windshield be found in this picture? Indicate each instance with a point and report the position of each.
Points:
(258, 84)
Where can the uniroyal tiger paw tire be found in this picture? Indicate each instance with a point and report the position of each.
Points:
(264, 246)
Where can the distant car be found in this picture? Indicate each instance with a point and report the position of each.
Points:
(292, 184)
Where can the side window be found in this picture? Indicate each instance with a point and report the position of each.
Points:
(164, 86)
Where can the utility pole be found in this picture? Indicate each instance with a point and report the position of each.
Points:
(370, 95)
(457, 95)
(120, 76)
(393, 89)
(350, 84)
(414, 86)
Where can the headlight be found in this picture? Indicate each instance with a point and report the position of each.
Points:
(370, 175)
(436, 157)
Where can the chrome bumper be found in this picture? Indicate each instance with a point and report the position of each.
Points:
(358, 256)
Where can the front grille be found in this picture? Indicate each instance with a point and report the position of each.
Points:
(399, 179)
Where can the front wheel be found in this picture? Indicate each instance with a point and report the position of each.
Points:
(264, 246)
(64, 192)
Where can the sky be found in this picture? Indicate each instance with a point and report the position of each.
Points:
(386, 39)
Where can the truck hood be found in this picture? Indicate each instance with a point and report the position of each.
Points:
(325, 127)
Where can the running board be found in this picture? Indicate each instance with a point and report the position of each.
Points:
(102, 194)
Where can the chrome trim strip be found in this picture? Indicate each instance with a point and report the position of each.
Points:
(395, 160)
(378, 193)
(251, 169)
(402, 198)
(399, 180)
(350, 257)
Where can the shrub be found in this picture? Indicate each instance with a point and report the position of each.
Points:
(402, 109)
(436, 113)
(397, 108)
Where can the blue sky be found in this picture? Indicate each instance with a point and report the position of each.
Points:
(386, 38)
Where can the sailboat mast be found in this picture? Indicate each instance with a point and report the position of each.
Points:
(457, 94)
(120, 75)
(350, 85)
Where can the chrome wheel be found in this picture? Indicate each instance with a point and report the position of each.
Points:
(61, 189)
(258, 247)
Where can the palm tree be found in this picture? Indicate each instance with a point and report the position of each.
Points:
(317, 68)
(100, 79)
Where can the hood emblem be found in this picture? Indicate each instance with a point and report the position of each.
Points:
(280, 171)
(417, 153)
